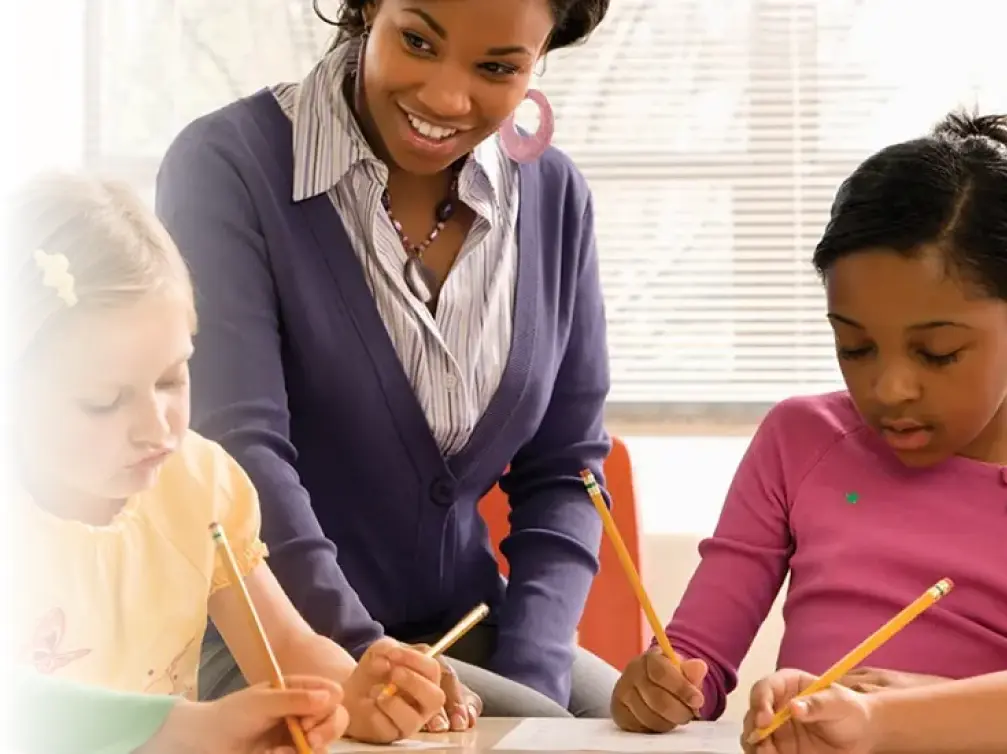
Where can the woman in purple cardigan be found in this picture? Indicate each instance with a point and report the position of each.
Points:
(396, 305)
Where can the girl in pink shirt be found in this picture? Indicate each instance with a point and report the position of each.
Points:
(867, 497)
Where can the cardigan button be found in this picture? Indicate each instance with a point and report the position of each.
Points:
(442, 492)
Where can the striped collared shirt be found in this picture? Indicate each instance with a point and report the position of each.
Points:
(455, 358)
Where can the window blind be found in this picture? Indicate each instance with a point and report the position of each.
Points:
(713, 134)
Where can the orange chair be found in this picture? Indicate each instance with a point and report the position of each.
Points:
(613, 624)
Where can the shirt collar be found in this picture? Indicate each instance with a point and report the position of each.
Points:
(328, 142)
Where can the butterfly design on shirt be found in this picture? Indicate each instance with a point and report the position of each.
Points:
(44, 651)
(179, 686)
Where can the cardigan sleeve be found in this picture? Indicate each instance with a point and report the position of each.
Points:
(555, 535)
(55, 716)
(239, 396)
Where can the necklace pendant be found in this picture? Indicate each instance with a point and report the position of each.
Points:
(420, 279)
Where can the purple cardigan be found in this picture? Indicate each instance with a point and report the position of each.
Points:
(370, 528)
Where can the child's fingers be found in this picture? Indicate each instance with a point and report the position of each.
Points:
(763, 697)
(763, 702)
(374, 725)
(375, 662)
(338, 719)
(315, 683)
(667, 706)
(640, 705)
(774, 692)
(669, 692)
(310, 722)
(679, 683)
(269, 705)
(426, 696)
(399, 654)
(694, 671)
(767, 746)
(825, 706)
(438, 723)
(327, 730)
(656, 709)
(405, 717)
(428, 667)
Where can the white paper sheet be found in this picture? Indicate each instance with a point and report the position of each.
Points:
(408, 744)
(562, 734)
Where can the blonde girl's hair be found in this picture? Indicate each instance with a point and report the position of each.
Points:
(76, 241)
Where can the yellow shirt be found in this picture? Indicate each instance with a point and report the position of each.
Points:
(124, 606)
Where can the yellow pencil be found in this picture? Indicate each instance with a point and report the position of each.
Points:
(234, 576)
(860, 653)
(627, 564)
(461, 628)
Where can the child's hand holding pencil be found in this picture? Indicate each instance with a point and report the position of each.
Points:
(379, 717)
(657, 691)
(655, 696)
(772, 710)
(833, 721)
(396, 689)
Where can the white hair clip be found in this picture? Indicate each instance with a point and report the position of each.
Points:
(56, 275)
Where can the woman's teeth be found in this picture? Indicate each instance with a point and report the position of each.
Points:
(437, 133)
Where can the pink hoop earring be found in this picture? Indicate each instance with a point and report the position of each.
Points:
(526, 149)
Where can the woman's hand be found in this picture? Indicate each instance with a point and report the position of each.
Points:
(381, 718)
(462, 706)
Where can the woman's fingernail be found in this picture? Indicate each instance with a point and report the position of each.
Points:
(438, 724)
(800, 706)
(459, 721)
(473, 714)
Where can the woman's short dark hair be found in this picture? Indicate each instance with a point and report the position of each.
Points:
(575, 19)
(947, 189)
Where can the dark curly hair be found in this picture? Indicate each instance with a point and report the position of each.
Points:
(948, 189)
(575, 20)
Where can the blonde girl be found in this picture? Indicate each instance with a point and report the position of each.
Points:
(116, 493)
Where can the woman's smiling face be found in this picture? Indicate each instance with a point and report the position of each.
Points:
(440, 76)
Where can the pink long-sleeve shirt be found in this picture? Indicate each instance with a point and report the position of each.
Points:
(819, 494)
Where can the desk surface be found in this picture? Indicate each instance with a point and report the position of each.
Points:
(555, 734)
